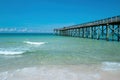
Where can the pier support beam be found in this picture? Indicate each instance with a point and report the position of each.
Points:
(90, 35)
(98, 34)
(92, 32)
(94, 35)
(78, 32)
(118, 32)
(113, 32)
(102, 30)
(83, 32)
(86, 32)
(107, 32)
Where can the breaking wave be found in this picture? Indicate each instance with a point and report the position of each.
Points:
(34, 43)
(19, 50)
(11, 52)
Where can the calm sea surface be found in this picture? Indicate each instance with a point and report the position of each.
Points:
(24, 52)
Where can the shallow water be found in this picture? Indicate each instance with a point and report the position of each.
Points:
(39, 55)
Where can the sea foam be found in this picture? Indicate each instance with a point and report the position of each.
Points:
(11, 52)
(34, 43)
(110, 66)
(47, 73)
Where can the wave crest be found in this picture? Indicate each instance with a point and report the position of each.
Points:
(34, 43)
(11, 52)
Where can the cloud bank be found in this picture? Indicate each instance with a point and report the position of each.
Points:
(34, 28)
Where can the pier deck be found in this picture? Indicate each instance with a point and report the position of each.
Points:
(108, 29)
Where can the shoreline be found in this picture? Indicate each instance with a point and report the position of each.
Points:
(61, 72)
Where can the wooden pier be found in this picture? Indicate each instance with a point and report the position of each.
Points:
(107, 29)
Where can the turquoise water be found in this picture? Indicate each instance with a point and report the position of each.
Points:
(55, 50)
(18, 51)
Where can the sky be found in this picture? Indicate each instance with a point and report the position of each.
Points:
(42, 16)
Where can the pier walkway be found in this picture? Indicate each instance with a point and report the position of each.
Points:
(107, 29)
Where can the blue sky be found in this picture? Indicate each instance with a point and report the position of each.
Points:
(45, 15)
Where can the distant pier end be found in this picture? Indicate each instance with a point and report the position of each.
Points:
(107, 29)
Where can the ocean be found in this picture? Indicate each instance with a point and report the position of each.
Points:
(33, 56)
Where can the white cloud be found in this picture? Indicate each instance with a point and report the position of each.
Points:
(7, 29)
(38, 28)
(1, 29)
(23, 30)
(12, 29)
(47, 28)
